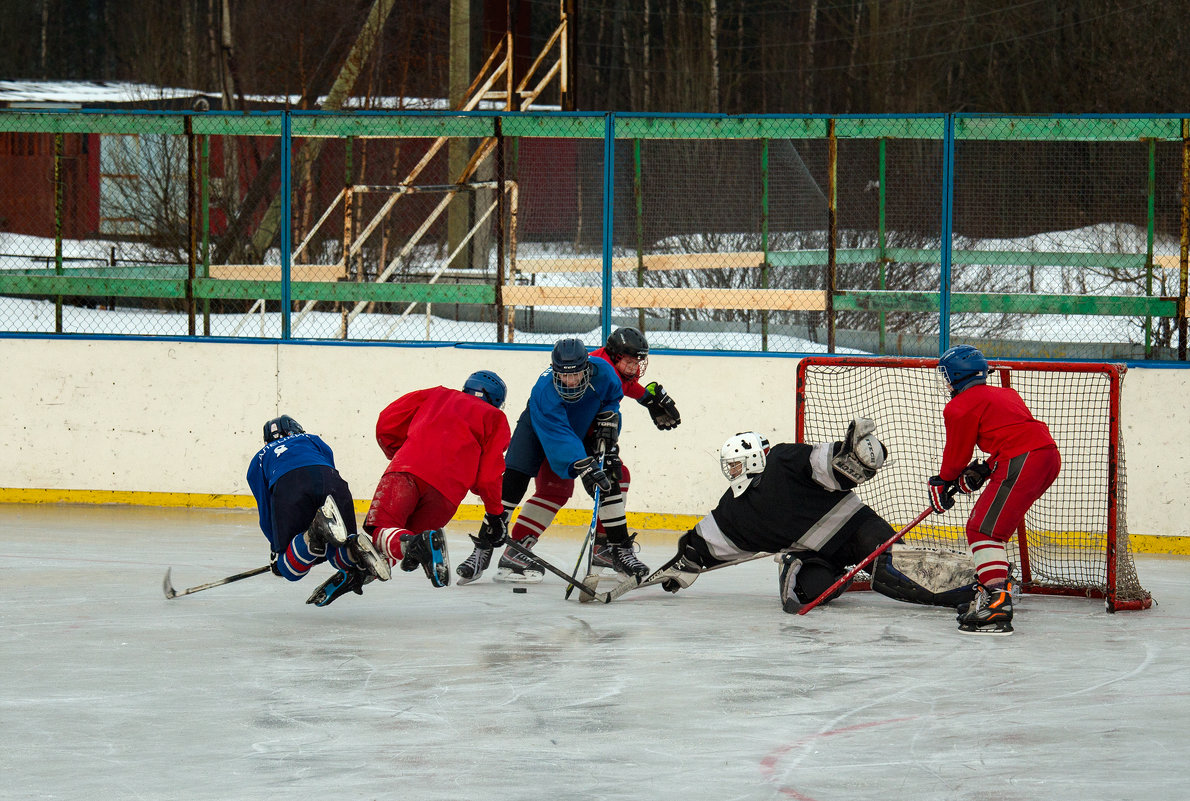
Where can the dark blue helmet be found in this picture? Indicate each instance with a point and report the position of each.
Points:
(486, 385)
(962, 366)
(572, 369)
(283, 426)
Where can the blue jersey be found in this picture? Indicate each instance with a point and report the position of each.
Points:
(561, 426)
(278, 458)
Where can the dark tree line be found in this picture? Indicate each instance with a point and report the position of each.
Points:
(725, 56)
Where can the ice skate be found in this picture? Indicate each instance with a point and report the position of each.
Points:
(474, 565)
(370, 560)
(513, 568)
(327, 529)
(989, 613)
(623, 559)
(602, 567)
(790, 567)
(427, 550)
(341, 583)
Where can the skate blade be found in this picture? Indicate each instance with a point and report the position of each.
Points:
(441, 566)
(508, 576)
(334, 522)
(992, 630)
(372, 561)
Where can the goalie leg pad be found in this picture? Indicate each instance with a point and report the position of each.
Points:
(925, 577)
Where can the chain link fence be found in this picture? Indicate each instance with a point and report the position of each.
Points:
(1053, 237)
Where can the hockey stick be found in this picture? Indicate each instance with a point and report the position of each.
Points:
(170, 592)
(850, 574)
(659, 576)
(588, 542)
(525, 552)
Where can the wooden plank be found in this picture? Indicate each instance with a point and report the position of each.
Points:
(991, 303)
(668, 298)
(652, 262)
(272, 272)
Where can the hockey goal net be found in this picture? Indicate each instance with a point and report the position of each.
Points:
(1074, 540)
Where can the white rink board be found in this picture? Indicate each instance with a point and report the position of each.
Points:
(181, 417)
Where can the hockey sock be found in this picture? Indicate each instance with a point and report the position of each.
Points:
(991, 559)
(388, 540)
(535, 517)
(612, 515)
(298, 558)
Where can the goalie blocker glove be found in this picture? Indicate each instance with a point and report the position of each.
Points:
(973, 476)
(661, 407)
(942, 494)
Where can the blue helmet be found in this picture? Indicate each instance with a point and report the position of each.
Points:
(283, 426)
(486, 385)
(572, 369)
(962, 366)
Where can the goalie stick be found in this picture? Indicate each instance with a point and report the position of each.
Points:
(525, 552)
(589, 541)
(850, 574)
(659, 576)
(170, 592)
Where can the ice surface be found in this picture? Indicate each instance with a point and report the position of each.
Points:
(110, 691)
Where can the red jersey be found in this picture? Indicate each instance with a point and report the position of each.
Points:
(994, 418)
(632, 386)
(453, 441)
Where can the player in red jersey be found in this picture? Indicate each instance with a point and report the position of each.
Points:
(1022, 463)
(441, 443)
(626, 350)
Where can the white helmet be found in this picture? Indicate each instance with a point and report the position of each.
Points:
(742, 458)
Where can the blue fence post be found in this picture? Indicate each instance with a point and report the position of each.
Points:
(946, 234)
(609, 219)
(286, 212)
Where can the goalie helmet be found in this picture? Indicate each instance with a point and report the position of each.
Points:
(628, 343)
(742, 458)
(962, 366)
(279, 427)
(571, 368)
(488, 386)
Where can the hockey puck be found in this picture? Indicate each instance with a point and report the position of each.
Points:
(520, 589)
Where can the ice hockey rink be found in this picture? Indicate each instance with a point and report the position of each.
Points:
(110, 691)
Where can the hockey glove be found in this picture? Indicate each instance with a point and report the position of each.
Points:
(605, 430)
(591, 476)
(973, 476)
(494, 530)
(661, 407)
(942, 494)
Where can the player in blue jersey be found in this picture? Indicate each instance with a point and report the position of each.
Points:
(306, 510)
(573, 414)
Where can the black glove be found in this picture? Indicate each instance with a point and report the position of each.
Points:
(661, 407)
(605, 430)
(494, 530)
(592, 477)
(942, 494)
(973, 476)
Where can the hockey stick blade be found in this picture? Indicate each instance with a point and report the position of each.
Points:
(659, 576)
(850, 574)
(525, 552)
(170, 592)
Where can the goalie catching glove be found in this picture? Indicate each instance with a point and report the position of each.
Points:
(860, 454)
(942, 494)
(973, 476)
(661, 407)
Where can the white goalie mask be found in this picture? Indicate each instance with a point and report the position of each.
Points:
(742, 458)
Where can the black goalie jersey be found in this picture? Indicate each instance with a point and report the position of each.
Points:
(792, 503)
